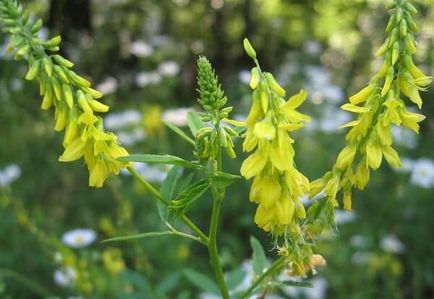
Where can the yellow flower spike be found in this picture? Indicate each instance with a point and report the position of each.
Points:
(295, 101)
(284, 211)
(281, 155)
(347, 201)
(265, 129)
(93, 92)
(71, 131)
(294, 116)
(73, 151)
(87, 118)
(391, 156)
(316, 187)
(423, 81)
(384, 133)
(265, 190)
(362, 95)
(263, 96)
(256, 110)
(274, 85)
(98, 174)
(253, 165)
(291, 127)
(67, 94)
(411, 120)
(362, 175)
(395, 52)
(98, 106)
(414, 70)
(346, 157)
(61, 117)
(250, 141)
(388, 82)
(373, 155)
(83, 103)
(265, 218)
(48, 99)
(249, 49)
(415, 96)
(355, 109)
(57, 89)
(254, 78)
(33, 70)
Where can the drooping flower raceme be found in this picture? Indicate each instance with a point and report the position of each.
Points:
(377, 106)
(277, 184)
(74, 101)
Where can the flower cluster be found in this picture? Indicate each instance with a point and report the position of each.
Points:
(74, 101)
(277, 184)
(377, 106)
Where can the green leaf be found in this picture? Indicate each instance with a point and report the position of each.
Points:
(160, 159)
(224, 179)
(258, 256)
(194, 122)
(189, 195)
(201, 281)
(235, 278)
(167, 190)
(168, 283)
(138, 236)
(182, 185)
(179, 132)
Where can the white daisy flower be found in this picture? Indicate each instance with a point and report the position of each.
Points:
(422, 173)
(79, 238)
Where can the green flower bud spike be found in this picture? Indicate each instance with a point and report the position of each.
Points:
(213, 100)
(380, 104)
(70, 95)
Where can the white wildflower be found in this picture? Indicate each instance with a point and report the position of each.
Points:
(65, 277)
(108, 86)
(391, 243)
(147, 78)
(130, 138)
(141, 49)
(9, 174)
(169, 68)
(422, 173)
(79, 238)
(343, 216)
(176, 116)
(119, 120)
(244, 76)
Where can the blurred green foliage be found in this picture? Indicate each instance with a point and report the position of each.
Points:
(149, 48)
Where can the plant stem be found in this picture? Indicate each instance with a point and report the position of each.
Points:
(158, 196)
(275, 266)
(212, 247)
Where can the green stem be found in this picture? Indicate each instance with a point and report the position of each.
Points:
(274, 268)
(212, 247)
(158, 196)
